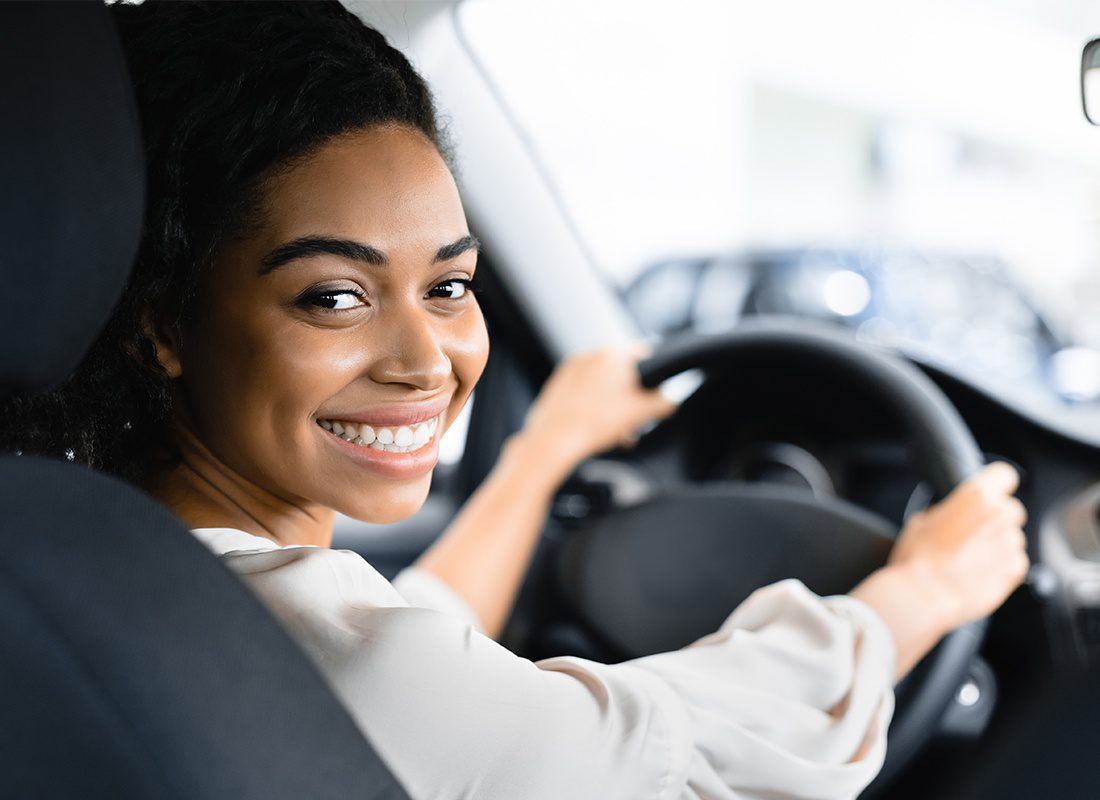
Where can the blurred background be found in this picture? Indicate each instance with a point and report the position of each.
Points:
(921, 173)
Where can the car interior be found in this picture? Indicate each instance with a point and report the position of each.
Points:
(123, 634)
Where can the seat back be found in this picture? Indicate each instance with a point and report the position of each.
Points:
(133, 664)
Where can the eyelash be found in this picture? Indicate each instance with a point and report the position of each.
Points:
(314, 300)
(467, 284)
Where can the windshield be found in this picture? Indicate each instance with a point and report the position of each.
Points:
(920, 173)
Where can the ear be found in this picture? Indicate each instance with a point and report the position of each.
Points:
(166, 341)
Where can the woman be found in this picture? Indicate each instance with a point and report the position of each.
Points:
(299, 332)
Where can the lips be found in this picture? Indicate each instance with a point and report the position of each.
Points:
(400, 441)
(391, 415)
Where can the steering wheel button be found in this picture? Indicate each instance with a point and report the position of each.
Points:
(969, 694)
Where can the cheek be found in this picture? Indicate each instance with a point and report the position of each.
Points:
(468, 351)
(466, 345)
(249, 377)
(315, 362)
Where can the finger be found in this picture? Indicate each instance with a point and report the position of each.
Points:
(637, 349)
(627, 441)
(985, 489)
(1007, 513)
(1004, 530)
(1014, 512)
(1019, 567)
(660, 406)
(680, 387)
(1005, 536)
(997, 479)
(634, 352)
(644, 411)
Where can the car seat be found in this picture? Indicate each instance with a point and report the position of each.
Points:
(132, 663)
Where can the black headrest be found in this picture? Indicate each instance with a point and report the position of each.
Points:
(72, 186)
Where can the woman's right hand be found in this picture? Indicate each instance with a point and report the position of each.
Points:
(592, 402)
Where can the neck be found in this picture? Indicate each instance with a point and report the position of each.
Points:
(206, 493)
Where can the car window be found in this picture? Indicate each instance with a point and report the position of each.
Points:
(920, 173)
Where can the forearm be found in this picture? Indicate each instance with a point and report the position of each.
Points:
(485, 552)
(909, 604)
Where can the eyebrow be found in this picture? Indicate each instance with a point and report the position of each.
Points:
(309, 246)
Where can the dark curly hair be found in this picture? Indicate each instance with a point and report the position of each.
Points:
(229, 94)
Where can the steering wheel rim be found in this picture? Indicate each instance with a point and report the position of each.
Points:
(945, 450)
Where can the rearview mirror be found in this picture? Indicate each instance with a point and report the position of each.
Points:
(1090, 81)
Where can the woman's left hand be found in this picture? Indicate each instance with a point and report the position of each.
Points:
(953, 563)
(593, 402)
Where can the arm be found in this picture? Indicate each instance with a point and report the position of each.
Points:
(791, 698)
(484, 553)
(591, 403)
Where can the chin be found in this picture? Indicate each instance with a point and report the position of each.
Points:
(382, 507)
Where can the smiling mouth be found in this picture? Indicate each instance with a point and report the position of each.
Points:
(388, 438)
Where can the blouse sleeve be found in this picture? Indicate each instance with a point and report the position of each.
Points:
(790, 698)
(422, 589)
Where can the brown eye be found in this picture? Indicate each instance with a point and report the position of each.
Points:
(334, 300)
(452, 289)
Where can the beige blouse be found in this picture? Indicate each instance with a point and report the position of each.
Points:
(791, 697)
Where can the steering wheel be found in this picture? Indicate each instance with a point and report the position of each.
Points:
(644, 581)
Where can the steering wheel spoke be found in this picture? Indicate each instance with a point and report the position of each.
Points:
(660, 574)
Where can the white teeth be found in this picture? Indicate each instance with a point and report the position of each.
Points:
(400, 439)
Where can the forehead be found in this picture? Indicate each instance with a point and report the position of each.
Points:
(388, 186)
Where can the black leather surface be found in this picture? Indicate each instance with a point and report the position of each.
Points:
(944, 447)
(1046, 750)
(670, 570)
(71, 186)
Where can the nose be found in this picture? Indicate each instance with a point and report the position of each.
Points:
(409, 349)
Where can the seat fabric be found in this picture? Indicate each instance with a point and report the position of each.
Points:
(135, 665)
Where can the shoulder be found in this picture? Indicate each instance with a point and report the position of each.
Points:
(301, 579)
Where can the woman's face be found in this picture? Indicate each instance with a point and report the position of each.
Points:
(347, 315)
